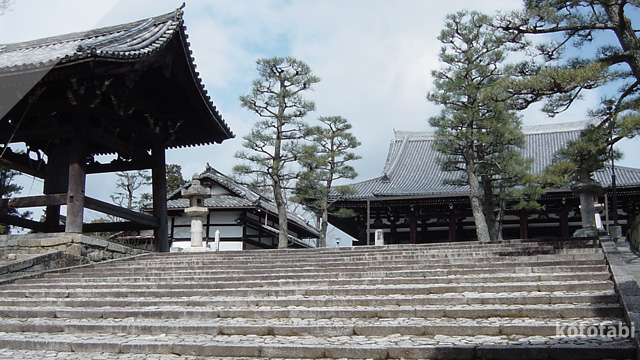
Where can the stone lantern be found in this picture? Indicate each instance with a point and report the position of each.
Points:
(587, 190)
(196, 194)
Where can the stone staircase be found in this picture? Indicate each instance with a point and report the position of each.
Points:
(516, 300)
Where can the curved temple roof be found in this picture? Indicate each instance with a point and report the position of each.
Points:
(412, 169)
(128, 41)
(142, 40)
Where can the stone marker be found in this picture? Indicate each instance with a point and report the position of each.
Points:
(216, 244)
(379, 237)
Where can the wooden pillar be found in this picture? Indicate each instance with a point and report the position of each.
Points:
(452, 228)
(564, 223)
(77, 181)
(56, 181)
(413, 229)
(393, 235)
(368, 222)
(424, 230)
(159, 188)
(524, 225)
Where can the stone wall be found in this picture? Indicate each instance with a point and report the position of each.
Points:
(633, 235)
(29, 253)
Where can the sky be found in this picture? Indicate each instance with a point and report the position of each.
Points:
(374, 58)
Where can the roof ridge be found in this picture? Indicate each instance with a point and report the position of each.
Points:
(424, 135)
(403, 146)
(83, 34)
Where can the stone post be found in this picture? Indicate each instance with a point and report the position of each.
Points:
(196, 194)
(379, 237)
(216, 245)
(587, 191)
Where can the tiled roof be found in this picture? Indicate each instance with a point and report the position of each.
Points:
(129, 42)
(411, 168)
(215, 201)
(240, 197)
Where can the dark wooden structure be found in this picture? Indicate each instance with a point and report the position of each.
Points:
(129, 90)
(411, 202)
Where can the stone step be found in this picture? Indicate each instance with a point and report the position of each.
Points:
(270, 312)
(311, 273)
(468, 298)
(204, 282)
(195, 275)
(220, 258)
(463, 300)
(352, 347)
(331, 263)
(183, 290)
(502, 267)
(407, 248)
(313, 327)
(343, 267)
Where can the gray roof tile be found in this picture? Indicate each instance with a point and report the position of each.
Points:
(128, 41)
(240, 197)
(411, 168)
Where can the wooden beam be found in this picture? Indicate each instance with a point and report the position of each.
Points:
(23, 223)
(33, 201)
(126, 123)
(39, 134)
(116, 166)
(21, 162)
(116, 145)
(117, 211)
(114, 226)
(132, 97)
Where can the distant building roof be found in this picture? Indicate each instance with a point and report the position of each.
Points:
(411, 168)
(240, 197)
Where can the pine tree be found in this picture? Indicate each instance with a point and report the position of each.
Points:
(274, 142)
(7, 189)
(174, 177)
(326, 160)
(478, 131)
(608, 58)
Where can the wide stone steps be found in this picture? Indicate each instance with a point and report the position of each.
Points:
(451, 301)
(203, 282)
(314, 327)
(185, 291)
(268, 312)
(453, 248)
(467, 298)
(395, 346)
(379, 270)
(223, 275)
(327, 263)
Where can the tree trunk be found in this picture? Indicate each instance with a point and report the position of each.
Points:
(489, 206)
(322, 239)
(283, 236)
(482, 231)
